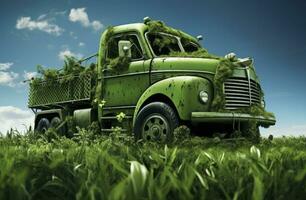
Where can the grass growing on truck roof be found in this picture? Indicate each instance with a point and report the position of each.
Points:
(114, 167)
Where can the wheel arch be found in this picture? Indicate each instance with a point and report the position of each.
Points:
(159, 97)
(181, 93)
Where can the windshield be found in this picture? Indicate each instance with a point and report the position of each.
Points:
(165, 44)
(189, 46)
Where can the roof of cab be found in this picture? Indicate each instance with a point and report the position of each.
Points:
(141, 27)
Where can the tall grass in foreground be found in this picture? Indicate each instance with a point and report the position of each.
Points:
(114, 167)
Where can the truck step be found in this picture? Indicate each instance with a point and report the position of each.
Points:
(114, 117)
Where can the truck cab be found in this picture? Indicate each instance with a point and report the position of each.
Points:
(158, 78)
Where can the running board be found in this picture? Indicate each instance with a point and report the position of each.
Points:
(114, 117)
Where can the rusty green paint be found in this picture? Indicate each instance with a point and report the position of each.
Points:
(126, 89)
(202, 65)
(84, 117)
(183, 92)
(178, 77)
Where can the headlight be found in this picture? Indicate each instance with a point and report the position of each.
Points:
(203, 96)
(263, 103)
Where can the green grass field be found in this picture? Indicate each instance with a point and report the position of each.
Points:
(115, 167)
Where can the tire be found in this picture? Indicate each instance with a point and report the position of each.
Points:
(156, 122)
(54, 124)
(251, 132)
(43, 125)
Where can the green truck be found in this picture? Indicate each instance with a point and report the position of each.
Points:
(149, 79)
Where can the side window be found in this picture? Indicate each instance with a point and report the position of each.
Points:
(113, 51)
(136, 48)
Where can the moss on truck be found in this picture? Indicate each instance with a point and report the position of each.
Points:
(159, 77)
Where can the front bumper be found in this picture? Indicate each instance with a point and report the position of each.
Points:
(217, 117)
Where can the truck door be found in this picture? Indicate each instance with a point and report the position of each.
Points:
(123, 86)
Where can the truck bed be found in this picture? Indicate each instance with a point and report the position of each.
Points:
(61, 91)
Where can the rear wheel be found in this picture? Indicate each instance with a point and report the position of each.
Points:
(43, 125)
(156, 122)
(55, 122)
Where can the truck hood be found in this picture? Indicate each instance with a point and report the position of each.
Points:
(190, 64)
(198, 65)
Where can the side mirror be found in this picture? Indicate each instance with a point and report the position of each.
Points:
(124, 47)
(199, 37)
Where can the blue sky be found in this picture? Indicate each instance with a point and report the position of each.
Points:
(272, 32)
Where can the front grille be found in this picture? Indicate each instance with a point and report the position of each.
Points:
(239, 93)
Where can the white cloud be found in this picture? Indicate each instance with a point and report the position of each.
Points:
(81, 44)
(8, 78)
(29, 75)
(42, 25)
(62, 13)
(80, 15)
(16, 118)
(5, 66)
(286, 130)
(73, 35)
(97, 25)
(68, 53)
(41, 17)
(50, 15)
(12, 79)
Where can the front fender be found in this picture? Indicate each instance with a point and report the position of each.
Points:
(183, 91)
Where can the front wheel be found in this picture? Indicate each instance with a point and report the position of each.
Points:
(251, 131)
(156, 122)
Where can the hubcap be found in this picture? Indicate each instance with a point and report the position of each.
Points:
(44, 130)
(155, 128)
